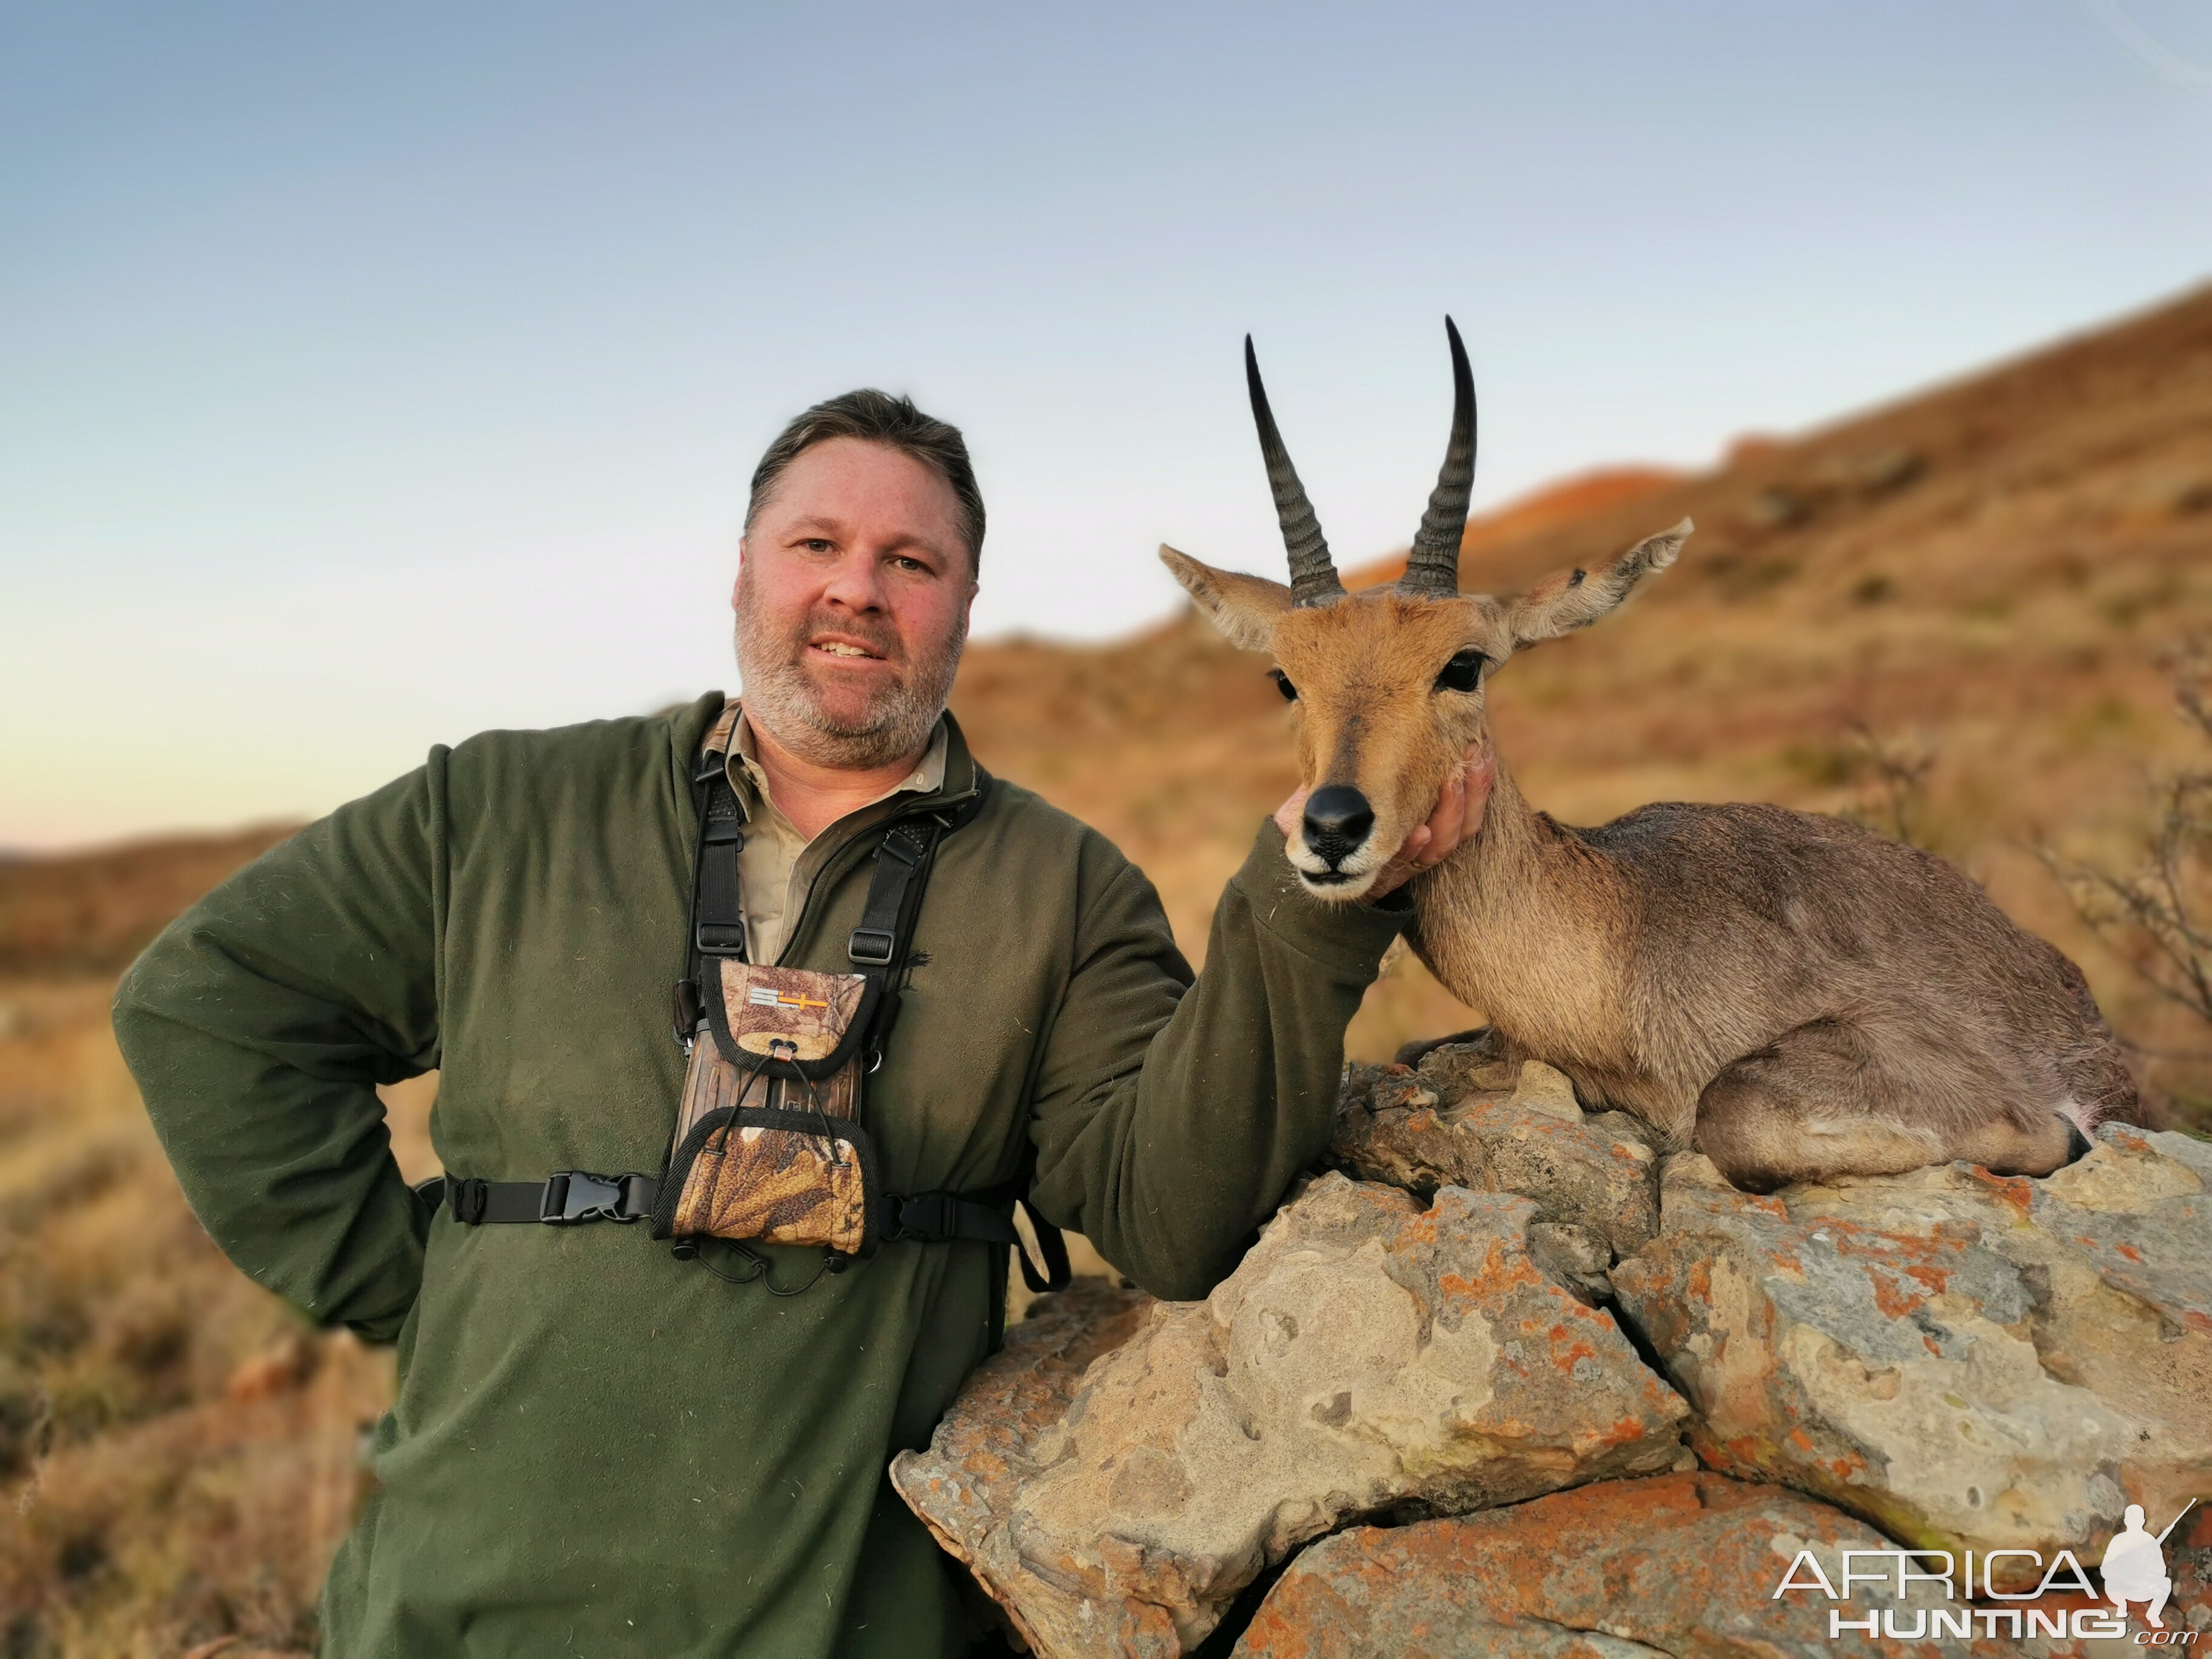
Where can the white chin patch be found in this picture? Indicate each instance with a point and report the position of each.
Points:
(1337, 892)
(1339, 885)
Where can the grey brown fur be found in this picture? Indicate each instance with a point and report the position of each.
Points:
(1793, 996)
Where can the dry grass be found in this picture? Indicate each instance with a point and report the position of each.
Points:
(177, 1449)
(1978, 585)
(91, 913)
(1966, 598)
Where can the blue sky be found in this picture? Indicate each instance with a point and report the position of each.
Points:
(369, 376)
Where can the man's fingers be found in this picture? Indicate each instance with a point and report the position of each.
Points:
(1444, 825)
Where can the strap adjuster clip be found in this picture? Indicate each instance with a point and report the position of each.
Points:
(572, 1197)
(467, 1199)
(871, 947)
(927, 1216)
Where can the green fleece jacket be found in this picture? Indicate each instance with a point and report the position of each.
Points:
(598, 1448)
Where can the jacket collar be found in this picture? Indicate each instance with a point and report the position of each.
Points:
(694, 723)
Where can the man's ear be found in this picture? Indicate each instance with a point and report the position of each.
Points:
(1576, 599)
(1243, 608)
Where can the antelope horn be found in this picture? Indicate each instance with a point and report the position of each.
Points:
(1313, 575)
(1433, 565)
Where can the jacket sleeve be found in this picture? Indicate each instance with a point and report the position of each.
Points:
(258, 1025)
(1170, 1121)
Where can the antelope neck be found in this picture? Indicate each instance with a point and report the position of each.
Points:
(1520, 875)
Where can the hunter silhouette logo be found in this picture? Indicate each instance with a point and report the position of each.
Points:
(2135, 1567)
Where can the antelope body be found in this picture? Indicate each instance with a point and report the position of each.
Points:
(1791, 995)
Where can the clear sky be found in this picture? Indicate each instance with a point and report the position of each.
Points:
(370, 375)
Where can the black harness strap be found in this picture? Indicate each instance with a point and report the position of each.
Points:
(718, 924)
(559, 1200)
(935, 1217)
(877, 948)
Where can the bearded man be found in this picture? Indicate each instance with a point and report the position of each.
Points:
(597, 1446)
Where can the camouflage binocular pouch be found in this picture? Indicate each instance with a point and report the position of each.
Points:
(768, 1145)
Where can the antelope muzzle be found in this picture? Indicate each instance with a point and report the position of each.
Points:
(1338, 821)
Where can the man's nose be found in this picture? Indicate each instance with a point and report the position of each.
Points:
(1337, 822)
(855, 582)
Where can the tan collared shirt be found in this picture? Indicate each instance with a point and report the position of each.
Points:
(770, 884)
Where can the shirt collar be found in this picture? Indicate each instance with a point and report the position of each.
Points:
(745, 768)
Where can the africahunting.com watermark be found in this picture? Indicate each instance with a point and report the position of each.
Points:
(2136, 1586)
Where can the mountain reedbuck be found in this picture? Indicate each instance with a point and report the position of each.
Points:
(1785, 992)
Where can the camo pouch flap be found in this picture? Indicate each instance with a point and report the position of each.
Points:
(797, 1022)
(774, 1176)
(767, 1145)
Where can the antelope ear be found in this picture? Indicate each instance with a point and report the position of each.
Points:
(1576, 599)
(1243, 608)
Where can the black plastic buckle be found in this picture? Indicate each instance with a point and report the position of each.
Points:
(572, 1197)
(871, 947)
(927, 1216)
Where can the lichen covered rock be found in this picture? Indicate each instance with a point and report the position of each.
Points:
(1462, 1119)
(1967, 1360)
(1679, 1563)
(1369, 1356)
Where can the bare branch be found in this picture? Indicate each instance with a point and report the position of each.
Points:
(2154, 917)
(1900, 770)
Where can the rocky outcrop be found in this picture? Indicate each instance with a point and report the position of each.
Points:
(1369, 1357)
(1463, 1118)
(1680, 1564)
(1967, 1360)
(1960, 1361)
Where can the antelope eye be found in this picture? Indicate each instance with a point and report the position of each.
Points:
(1283, 684)
(1463, 673)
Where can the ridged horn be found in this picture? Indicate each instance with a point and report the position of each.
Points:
(1433, 565)
(1313, 575)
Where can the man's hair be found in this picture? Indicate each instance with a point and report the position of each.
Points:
(895, 422)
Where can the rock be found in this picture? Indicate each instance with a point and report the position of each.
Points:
(1597, 1172)
(1368, 1357)
(1873, 472)
(1012, 1399)
(1967, 1360)
(1775, 507)
(1679, 1563)
(1576, 1256)
(1541, 1089)
(1454, 1068)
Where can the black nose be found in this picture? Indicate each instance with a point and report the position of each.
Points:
(1338, 818)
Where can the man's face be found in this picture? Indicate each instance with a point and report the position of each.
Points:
(853, 586)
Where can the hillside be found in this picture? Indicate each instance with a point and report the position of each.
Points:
(1985, 575)
(90, 913)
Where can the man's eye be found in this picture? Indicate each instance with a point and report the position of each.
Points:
(1463, 673)
(1283, 684)
(816, 544)
(904, 563)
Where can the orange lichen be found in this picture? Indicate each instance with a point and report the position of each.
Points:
(1892, 1299)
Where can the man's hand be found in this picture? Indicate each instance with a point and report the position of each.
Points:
(1458, 814)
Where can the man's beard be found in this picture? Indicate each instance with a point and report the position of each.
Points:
(782, 700)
